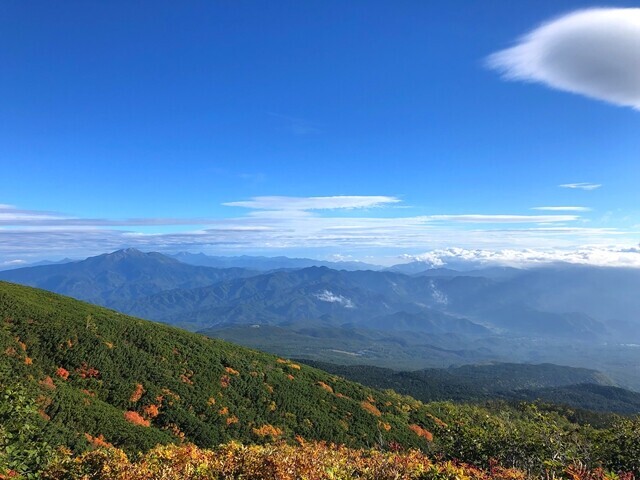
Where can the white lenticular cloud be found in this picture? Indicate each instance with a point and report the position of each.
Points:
(593, 52)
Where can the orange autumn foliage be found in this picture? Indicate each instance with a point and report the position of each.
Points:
(225, 381)
(232, 420)
(135, 418)
(62, 373)
(28, 361)
(151, 411)
(137, 393)
(231, 371)
(325, 387)
(98, 442)
(421, 432)
(372, 409)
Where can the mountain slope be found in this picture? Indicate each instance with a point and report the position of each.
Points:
(137, 383)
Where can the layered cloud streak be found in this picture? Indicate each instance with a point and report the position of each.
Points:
(352, 225)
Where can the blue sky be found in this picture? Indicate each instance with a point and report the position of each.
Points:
(168, 126)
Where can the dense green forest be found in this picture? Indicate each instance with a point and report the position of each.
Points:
(581, 389)
(82, 376)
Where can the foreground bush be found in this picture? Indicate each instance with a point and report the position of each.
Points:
(308, 461)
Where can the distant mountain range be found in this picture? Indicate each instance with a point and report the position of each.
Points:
(432, 318)
(34, 264)
(122, 275)
(267, 263)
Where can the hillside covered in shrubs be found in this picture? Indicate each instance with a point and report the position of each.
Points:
(77, 378)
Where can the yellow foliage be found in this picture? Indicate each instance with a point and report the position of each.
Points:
(305, 460)
(384, 426)
(268, 430)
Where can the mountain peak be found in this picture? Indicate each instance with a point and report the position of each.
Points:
(127, 252)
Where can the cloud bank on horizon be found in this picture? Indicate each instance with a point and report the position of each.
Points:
(360, 226)
(594, 52)
(461, 258)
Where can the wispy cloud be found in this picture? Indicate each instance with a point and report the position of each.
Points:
(475, 218)
(590, 52)
(348, 225)
(581, 186)
(314, 203)
(563, 209)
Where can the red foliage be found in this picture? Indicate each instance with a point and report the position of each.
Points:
(62, 373)
(47, 383)
(84, 371)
